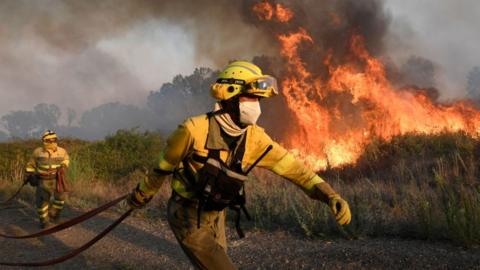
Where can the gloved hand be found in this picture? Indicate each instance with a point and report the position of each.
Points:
(339, 207)
(138, 199)
(31, 179)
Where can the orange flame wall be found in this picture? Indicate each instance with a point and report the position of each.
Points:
(333, 133)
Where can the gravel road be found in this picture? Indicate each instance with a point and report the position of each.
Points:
(147, 243)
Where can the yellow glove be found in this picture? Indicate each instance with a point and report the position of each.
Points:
(340, 209)
(138, 199)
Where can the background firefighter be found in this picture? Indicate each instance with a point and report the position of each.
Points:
(223, 144)
(46, 171)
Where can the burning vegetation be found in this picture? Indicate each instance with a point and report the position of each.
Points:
(339, 93)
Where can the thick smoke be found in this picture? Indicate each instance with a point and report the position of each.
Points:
(82, 54)
(443, 31)
(331, 25)
(73, 26)
(56, 49)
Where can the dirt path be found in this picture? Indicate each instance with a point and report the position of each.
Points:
(142, 243)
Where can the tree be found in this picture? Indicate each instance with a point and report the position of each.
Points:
(183, 97)
(473, 83)
(20, 124)
(71, 115)
(24, 124)
(47, 116)
(3, 136)
(108, 118)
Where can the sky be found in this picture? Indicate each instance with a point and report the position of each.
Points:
(133, 59)
(443, 31)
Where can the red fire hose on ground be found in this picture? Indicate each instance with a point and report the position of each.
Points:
(69, 224)
(9, 200)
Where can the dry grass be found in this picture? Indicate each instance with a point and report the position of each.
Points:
(422, 187)
(393, 191)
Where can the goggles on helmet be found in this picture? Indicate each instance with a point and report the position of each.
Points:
(265, 86)
(261, 86)
(49, 134)
(52, 140)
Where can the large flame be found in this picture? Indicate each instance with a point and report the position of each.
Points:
(267, 11)
(386, 111)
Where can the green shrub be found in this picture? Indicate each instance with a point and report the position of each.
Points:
(414, 186)
(119, 155)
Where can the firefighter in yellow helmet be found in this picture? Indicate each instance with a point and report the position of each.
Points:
(46, 171)
(209, 156)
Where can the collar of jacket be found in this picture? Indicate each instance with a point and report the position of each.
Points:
(215, 139)
(49, 151)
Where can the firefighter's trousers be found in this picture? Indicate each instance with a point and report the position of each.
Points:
(45, 190)
(206, 247)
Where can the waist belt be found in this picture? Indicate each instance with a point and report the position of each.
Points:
(48, 178)
(182, 200)
(51, 174)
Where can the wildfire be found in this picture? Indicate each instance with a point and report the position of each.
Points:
(334, 135)
(266, 11)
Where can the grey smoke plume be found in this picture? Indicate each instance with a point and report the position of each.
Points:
(81, 54)
(443, 31)
(69, 57)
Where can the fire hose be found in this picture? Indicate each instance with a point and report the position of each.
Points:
(69, 224)
(14, 195)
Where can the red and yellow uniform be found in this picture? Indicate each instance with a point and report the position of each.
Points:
(45, 163)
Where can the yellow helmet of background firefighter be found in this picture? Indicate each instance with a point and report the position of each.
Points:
(49, 134)
(49, 139)
(242, 77)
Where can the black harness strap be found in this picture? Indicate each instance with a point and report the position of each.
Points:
(199, 158)
(215, 154)
(239, 153)
(161, 172)
(210, 192)
(243, 197)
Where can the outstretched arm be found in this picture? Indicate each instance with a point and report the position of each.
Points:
(286, 165)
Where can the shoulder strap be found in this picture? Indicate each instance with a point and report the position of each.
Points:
(210, 114)
(214, 153)
(239, 153)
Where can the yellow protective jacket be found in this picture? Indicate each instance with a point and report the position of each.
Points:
(198, 134)
(45, 163)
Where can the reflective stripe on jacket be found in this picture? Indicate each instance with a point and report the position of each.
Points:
(192, 139)
(45, 163)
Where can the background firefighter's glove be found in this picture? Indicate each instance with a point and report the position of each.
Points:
(31, 179)
(339, 207)
(138, 199)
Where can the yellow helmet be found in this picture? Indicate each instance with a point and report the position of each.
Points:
(242, 77)
(49, 135)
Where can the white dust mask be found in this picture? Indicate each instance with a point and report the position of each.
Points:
(249, 112)
(226, 122)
